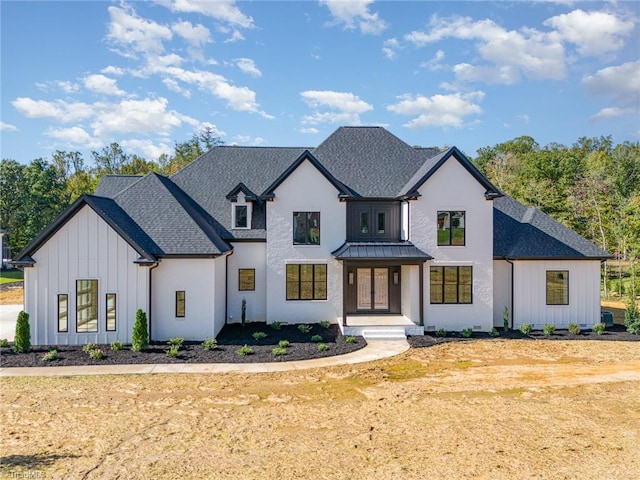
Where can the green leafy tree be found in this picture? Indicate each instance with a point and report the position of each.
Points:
(22, 340)
(140, 335)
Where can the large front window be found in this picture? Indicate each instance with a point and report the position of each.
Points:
(306, 228)
(451, 227)
(451, 284)
(86, 306)
(307, 281)
(557, 287)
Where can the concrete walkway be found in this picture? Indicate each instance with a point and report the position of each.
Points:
(8, 317)
(375, 350)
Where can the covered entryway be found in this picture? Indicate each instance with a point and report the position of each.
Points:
(373, 289)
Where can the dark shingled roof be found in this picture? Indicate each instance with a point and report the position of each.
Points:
(520, 232)
(110, 185)
(380, 251)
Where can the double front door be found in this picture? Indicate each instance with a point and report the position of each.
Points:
(373, 290)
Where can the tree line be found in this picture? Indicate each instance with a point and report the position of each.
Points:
(32, 195)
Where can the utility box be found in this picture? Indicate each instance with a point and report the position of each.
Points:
(607, 319)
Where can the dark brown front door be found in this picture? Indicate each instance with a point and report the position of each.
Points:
(373, 290)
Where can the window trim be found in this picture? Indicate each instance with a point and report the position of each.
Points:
(566, 286)
(443, 284)
(234, 216)
(95, 304)
(308, 227)
(66, 314)
(115, 312)
(253, 280)
(182, 301)
(450, 229)
(313, 281)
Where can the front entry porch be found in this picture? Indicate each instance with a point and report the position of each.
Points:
(380, 326)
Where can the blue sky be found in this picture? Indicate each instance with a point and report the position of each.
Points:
(79, 75)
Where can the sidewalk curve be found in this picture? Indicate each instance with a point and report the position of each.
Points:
(375, 350)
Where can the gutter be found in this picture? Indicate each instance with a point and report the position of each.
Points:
(512, 295)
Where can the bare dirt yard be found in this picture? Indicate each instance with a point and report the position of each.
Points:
(500, 409)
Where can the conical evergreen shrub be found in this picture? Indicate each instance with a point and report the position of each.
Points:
(22, 341)
(140, 335)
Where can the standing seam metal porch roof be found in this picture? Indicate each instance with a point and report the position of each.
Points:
(380, 251)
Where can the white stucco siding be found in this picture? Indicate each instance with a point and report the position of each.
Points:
(501, 291)
(85, 248)
(305, 190)
(247, 255)
(452, 188)
(410, 294)
(530, 301)
(203, 281)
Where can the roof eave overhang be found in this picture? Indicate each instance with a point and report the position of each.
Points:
(582, 258)
(24, 262)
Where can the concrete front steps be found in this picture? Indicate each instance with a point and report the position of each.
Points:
(381, 327)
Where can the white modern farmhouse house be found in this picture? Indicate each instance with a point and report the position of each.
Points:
(363, 230)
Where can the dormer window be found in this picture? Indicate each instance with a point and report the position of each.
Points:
(240, 216)
(241, 213)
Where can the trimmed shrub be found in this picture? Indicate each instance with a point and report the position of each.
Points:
(548, 329)
(325, 324)
(140, 336)
(526, 328)
(505, 319)
(441, 332)
(466, 333)
(175, 342)
(283, 343)
(115, 346)
(304, 328)
(50, 355)
(598, 328)
(89, 347)
(257, 336)
(276, 325)
(210, 344)
(4, 342)
(316, 338)
(22, 340)
(632, 317)
(323, 347)
(574, 328)
(173, 350)
(350, 339)
(96, 354)
(494, 332)
(278, 351)
(245, 350)
(243, 312)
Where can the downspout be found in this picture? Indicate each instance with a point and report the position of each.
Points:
(512, 295)
(151, 298)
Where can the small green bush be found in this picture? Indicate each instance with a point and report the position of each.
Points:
(245, 350)
(494, 332)
(526, 328)
(4, 342)
(175, 342)
(316, 338)
(350, 339)
(548, 329)
(140, 336)
(276, 325)
(505, 319)
(89, 347)
(173, 350)
(50, 355)
(257, 336)
(210, 344)
(632, 317)
(574, 328)
(304, 328)
(466, 333)
(22, 340)
(96, 354)
(278, 351)
(283, 343)
(441, 332)
(243, 312)
(598, 328)
(322, 347)
(115, 346)
(325, 324)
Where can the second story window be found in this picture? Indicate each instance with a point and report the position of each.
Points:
(306, 228)
(241, 216)
(451, 228)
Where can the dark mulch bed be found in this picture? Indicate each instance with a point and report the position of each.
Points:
(230, 339)
(616, 333)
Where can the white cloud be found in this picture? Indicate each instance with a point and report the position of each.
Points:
(595, 33)
(524, 118)
(73, 136)
(196, 35)
(621, 84)
(7, 127)
(309, 131)
(612, 112)
(127, 29)
(174, 86)
(58, 109)
(223, 10)
(390, 47)
(68, 87)
(435, 62)
(248, 66)
(147, 148)
(111, 70)
(438, 110)
(247, 140)
(355, 14)
(101, 84)
(349, 107)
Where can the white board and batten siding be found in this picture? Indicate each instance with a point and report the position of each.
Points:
(453, 188)
(501, 292)
(530, 300)
(85, 248)
(203, 281)
(247, 255)
(305, 190)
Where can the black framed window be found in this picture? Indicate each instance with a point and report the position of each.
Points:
(246, 279)
(382, 222)
(241, 219)
(86, 306)
(557, 287)
(181, 303)
(451, 285)
(306, 228)
(364, 223)
(63, 312)
(307, 281)
(451, 228)
(111, 312)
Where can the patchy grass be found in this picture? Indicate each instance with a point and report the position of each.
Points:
(11, 276)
